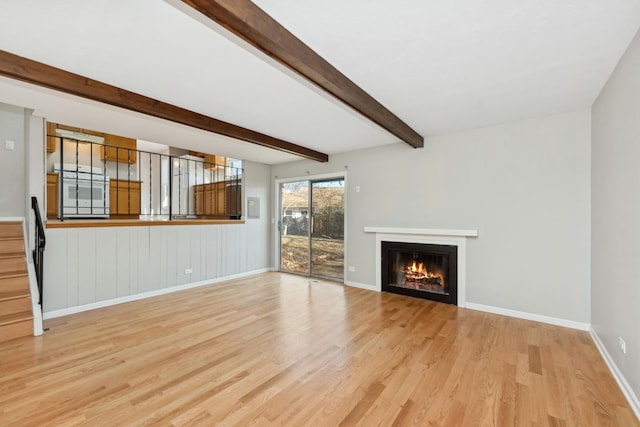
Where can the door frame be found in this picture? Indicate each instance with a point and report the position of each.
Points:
(277, 210)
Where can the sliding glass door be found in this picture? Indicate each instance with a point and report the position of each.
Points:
(312, 227)
(294, 227)
(327, 228)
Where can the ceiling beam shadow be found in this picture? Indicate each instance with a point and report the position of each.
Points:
(252, 24)
(27, 70)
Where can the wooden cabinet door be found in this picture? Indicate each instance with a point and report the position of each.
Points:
(121, 150)
(52, 195)
(210, 199)
(212, 161)
(52, 141)
(134, 198)
(124, 198)
(52, 144)
(233, 200)
(220, 196)
(198, 200)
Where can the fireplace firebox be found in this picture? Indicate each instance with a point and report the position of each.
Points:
(420, 270)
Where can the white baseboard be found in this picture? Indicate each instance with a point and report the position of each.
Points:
(530, 316)
(129, 298)
(620, 379)
(360, 285)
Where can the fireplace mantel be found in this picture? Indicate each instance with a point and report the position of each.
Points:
(425, 235)
(422, 231)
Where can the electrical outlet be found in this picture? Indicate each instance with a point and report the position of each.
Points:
(352, 268)
(9, 145)
(623, 345)
(188, 270)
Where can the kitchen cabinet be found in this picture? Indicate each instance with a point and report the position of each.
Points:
(233, 205)
(53, 142)
(52, 195)
(218, 199)
(198, 200)
(212, 161)
(121, 150)
(209, 199)
(124, 199)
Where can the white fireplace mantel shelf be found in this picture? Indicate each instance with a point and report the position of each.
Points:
(422, 231)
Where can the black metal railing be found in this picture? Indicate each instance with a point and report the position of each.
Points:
(38, 252)
(98, 180)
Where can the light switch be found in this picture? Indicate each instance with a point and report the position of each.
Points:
(9, 145)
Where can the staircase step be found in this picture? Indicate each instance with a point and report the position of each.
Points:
(16, 318)
(13, 265)
(16, 283)
(10, 229)
(16, 304)
(11, 295)
(8, 319)
(11, 246)
(15, 326)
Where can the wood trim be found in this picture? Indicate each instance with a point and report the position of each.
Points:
(30, 71)
(74, 223)
(252, 24)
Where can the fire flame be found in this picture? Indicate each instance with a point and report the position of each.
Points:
(418, 268)
(418, 272)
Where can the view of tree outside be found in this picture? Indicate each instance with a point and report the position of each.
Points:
(323, 224)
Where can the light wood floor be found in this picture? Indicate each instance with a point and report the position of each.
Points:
(282, 350)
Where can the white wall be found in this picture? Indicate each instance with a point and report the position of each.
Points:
(12, 162)
(35, 174)
(524, 186)
(615, 255)
(89, 265)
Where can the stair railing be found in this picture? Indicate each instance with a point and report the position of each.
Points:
(38, 252)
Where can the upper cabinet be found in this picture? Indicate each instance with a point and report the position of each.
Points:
(53, 141)
(116, 149)
(211, 161)
(119, 149)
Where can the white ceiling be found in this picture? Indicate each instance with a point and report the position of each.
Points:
(441, 66)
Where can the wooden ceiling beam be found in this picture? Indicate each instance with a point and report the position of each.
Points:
(37, 73)
(252, 24)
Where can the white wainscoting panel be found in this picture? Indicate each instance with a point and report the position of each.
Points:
(84, 266)
(84, 249)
